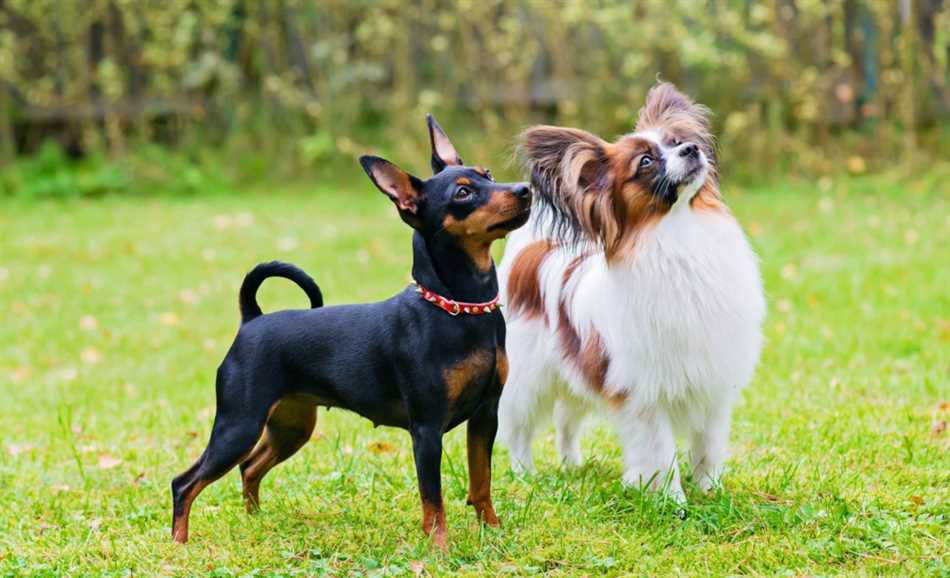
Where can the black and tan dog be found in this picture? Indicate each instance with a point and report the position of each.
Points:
(424, 360)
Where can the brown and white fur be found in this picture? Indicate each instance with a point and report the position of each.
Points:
(635, 294)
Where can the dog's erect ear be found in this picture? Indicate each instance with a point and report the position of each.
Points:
(443, 153)
(402, 188)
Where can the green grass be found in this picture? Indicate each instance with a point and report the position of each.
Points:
(115, 313)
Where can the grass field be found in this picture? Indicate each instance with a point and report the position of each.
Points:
(116, 312)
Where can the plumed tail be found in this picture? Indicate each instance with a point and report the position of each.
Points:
(252, 281)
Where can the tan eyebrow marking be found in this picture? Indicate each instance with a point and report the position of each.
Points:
(462, 181)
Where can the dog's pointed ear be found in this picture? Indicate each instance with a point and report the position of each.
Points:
(403, 189)
(443, 153)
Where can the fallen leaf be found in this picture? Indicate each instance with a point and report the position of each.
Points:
(107, 462)
(20, 374)
(188, 296)
(69, 374)
(91, 355)
(939, 427)
(88, 323)
(287, 244)
(381, 447)
(17, 449)
(244, 220)
(221, 221)
(917, 500)
(168, 319)
(943, 406)
(789, 272)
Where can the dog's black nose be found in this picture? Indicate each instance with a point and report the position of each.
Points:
(522, 191)
(689, 150)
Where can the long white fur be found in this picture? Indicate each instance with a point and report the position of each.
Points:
(681, 322)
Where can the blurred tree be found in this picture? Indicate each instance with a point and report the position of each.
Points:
(784, 77)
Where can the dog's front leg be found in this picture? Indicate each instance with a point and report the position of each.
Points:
(427, 450)
(481, 438)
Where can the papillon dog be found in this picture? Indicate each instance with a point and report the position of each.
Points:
(633, 292)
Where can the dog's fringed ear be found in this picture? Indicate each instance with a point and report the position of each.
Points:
(443, 153)
(403, 189)
(577, 160)
(566, 165)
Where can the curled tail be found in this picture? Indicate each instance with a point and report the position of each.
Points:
(252, 281)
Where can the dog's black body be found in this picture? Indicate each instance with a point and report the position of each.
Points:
(402, 362)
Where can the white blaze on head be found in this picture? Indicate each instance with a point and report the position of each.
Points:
(686, 171)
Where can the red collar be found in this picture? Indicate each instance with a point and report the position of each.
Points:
(457, 307)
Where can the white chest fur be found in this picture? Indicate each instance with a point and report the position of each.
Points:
(681, 318)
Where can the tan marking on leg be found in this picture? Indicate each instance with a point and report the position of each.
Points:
(180, 523)
(290, 424)
(433, 523)
(501, 365)
(460, 375)
(479, 479)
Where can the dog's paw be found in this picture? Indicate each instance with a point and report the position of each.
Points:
(707, 481)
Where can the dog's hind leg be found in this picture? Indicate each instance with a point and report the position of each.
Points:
(236, 429)
(710, 445)
(568, 421)
(288, 428)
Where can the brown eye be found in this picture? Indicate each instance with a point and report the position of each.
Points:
(462, 194)
(675, 142)
(645, 161)
(488, 175)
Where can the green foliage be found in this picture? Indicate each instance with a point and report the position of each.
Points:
(117, 312)
(310, 83)
(52, 174)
